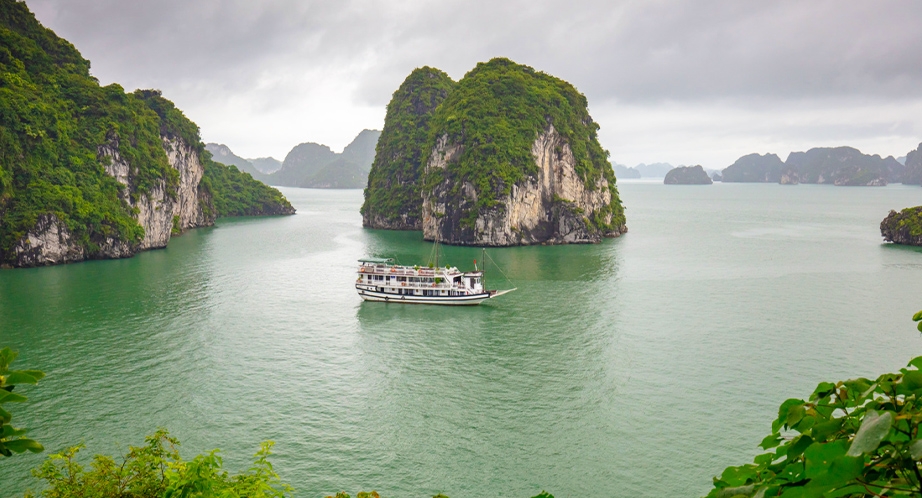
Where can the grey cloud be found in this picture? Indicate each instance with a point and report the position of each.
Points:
(644, 50)
(270, 57)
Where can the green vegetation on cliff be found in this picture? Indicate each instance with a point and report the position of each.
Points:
(496, 113)
(235, 193)
(53, 118)
(58, 130)
(393, 184)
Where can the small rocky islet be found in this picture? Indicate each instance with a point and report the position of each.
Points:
(687, 175)
(506, 156)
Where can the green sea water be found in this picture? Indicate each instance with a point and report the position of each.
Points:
(641, 366)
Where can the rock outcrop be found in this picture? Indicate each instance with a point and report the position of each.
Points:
(48, 243)
(392, 197)
(687, 175)
(550, 207)
(912, 175)
(904, 227)
(161, 211)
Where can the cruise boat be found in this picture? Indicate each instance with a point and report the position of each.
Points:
(379, 279)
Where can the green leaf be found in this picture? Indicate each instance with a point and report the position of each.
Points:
(544, 494)
(795, 414)
(874, 428)
(824, 389)
(917, 316)
(9, 431)
(916, 362)
(38, 374)
(798, 446)
(912, 379)
(915, 449)
(819, 457)
(21, 445)
(770, 441)
(822, 432)
(20, 378)
(737, 476)
(8, 397)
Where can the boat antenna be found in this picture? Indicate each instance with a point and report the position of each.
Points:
(483, 276)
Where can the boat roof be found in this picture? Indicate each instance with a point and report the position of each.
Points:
(376, 260)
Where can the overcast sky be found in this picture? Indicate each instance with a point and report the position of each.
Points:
(685, 82)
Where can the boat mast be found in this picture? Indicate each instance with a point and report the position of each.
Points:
(483, 276)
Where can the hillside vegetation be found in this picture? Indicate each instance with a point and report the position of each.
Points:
(55, 120)
(392, 198)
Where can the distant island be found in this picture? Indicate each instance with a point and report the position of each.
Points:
(310, 165)
(687, 175)
(653, 170)
(842, 166)
(506, 156)
(99, 173)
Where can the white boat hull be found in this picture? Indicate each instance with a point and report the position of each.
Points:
(369, 293)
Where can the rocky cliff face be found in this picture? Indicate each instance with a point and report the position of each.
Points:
(555, 206)
(912, 175)
(160, 204)
(50, 242)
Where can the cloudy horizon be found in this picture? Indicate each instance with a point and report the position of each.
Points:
(680, 82)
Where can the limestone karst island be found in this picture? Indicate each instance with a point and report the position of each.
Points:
(377, 249)
(506, 156)
(93, 172)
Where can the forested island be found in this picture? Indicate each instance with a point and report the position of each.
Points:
(93, 172)
(506, 156)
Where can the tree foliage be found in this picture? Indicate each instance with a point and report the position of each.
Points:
(852, 438)
(54, 116)
(12, 440)
(156, 470)
(393, 183)
(235, 193)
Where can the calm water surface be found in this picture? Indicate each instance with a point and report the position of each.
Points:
(638, 367)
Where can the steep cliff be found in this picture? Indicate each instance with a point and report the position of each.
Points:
(392, 197)
(86, 172)
(515, 160)
(754, 168)
(912, 175)
(904, 227)
(687, 175)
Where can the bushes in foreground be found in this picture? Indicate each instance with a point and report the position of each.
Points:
(852, 438)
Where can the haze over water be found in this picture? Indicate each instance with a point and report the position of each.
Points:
(642, 366)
